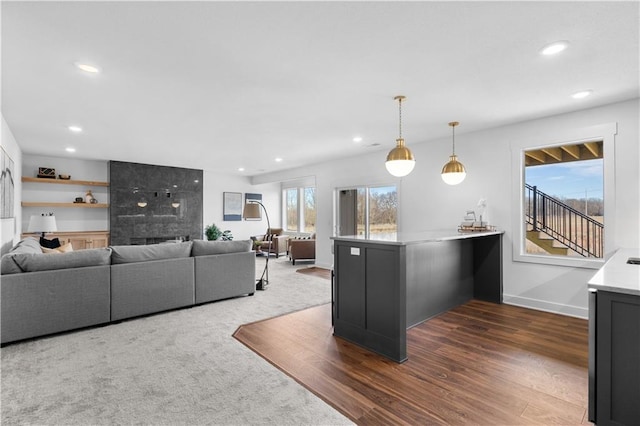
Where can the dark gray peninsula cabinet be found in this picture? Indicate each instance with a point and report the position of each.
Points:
(614, 341)
(384, 286)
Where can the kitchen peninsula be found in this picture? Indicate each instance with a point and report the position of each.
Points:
(614, 341)
(384, 285)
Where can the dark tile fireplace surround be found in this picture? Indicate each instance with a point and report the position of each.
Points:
(154, 204)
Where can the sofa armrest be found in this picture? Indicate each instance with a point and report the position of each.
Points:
(223, 276)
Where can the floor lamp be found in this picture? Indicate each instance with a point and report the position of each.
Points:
(252, 211)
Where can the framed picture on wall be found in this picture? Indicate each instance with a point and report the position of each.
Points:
(232, 206)
(255, 197)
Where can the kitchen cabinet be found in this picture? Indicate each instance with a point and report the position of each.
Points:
(614, 342)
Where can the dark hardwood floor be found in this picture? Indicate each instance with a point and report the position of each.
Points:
(480, 363)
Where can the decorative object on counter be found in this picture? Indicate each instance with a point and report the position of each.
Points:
(252, 210)
(64, 177)
(79, 200)
(400, 160)
(46, 222)
(94, 201)
(482, 208)
(46, 173)
(89, 197)
(212, 232)
(476, 227)
(476, 223)
(453, 172)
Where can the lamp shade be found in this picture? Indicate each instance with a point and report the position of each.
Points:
(453, 172)
(42, 223)
(400, 160)
(251, 211)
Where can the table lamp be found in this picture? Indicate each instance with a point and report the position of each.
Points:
(42, 223)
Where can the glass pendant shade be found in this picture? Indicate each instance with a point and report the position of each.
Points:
(400, 161)
(453, 172)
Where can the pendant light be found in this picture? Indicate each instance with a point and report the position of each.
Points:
(453, 172)
(400, 161)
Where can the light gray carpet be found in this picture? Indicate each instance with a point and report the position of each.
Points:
(180, 367)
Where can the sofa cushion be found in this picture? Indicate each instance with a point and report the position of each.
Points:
(28, 262)
(133, 254)
(50, 244)
(207, 248)
(28, 245)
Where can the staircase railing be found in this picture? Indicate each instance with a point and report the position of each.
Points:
(563, 223)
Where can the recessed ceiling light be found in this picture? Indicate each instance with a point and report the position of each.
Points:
(87, 68)
(196, 181)
(75, 129)
(278, 159)
(582, 94)
(70, 149)
(241, 169)
(554, 48)
(357, 139)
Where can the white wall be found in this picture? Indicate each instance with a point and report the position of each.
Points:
(425, 202)
(10, 232)
(215, 184)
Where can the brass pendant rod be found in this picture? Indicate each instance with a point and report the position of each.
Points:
(399, 98)
(453, 125)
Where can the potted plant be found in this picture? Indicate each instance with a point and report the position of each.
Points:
(212, 232)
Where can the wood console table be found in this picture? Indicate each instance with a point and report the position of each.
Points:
(384, 286)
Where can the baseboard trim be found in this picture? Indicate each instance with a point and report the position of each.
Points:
(543, 305)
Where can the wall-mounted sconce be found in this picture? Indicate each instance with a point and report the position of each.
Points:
(175, 205)
(142, 203)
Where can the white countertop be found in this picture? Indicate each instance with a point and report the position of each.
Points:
(416, 237)
(617, 275)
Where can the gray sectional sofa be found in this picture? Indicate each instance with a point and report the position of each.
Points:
(49, 293)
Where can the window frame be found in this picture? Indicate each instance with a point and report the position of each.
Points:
(606, 133)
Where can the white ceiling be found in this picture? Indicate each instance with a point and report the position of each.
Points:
(222, 85)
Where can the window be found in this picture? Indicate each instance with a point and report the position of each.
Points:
(563, 190)
(368, 211)
(564, 200)
(291, 197)
(300, 209)
(309, 210)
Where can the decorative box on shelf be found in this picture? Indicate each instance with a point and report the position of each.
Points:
(46, 173)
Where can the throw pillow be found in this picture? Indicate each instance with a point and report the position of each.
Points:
(50, 244)
(65, 248)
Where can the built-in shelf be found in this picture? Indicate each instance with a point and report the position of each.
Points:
(82, 205)
(65, 182)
